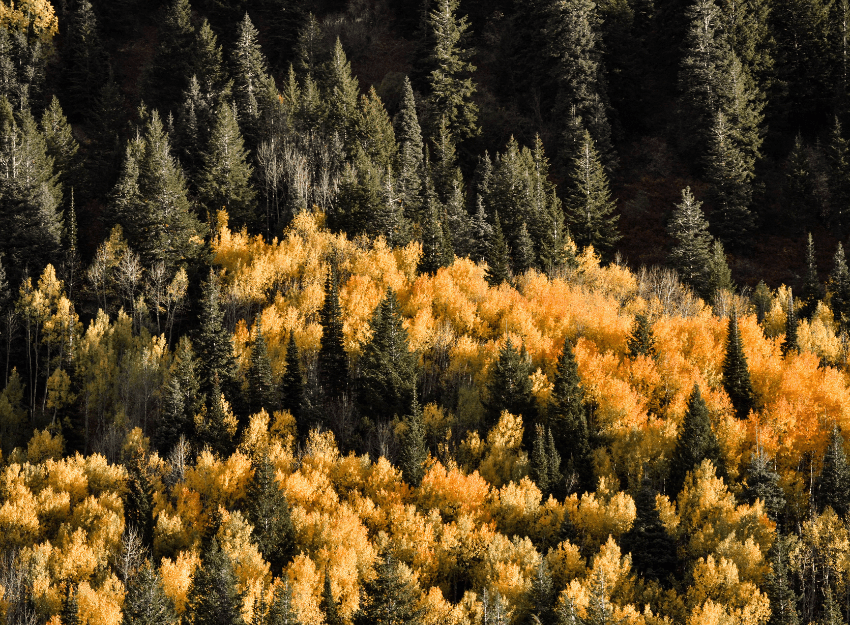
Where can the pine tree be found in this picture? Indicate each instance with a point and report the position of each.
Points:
(138, 499)
(71, 607)
(510, 386)
(830, 609)
(85, 60)
(838, 158)
(568, 420)
(524, 256)
(498, 256)
(410, 155)
(341, 94)
(761, 300)
(763, 484)
(789, 343)
(213, 431)
(329, 605)
(214, 85)
(599, 608)
(261, 390)
(540, 461)
(146, 602)
(434, 249)
(254, 89)
(696, 442)
(389, 599)
(225, 178)
(641, 341)
(268, 511)
(812, 288)
(691, 251)
(780, 589)
(182, 399)
(213, 597)
(168, 75)
(388, 367)
(213, 341)
(374, 131)
(838, 288)
(281, 611)
(414, 451)
(653, 550)
(311, 52)
(332, 359)
(736, 374)
(718, 274)
(480, 235)
(589, 208)
(63, 148)
(457, 223)
(834, 479)
(444, 170)
(292, 387)
(542, 595)
(799, 187)
(451, 86)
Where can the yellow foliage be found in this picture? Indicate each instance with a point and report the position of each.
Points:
(23, 14)
(101, 606)
(44, 445)
(177, 577)
(504, 460)
(596, 516)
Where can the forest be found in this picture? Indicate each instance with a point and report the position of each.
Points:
(424, 312)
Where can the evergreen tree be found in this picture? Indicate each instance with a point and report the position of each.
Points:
(498, 256)
(329, 605)
(692, 249)
(524, 256)
(261, 390)
(812, 288)
(182, 399)
(444, 170)
(71, 607)
(85, 61)
(168, 74)
(225, 178)
(542, 595)
(763, 483)
(388, 367)
(213, 341)
(341, 94)
(253, 88)
(281, 611)
(838, 158)
(410, 155)
(311, 52)
(640, 341)
(780, 589)
(138, 499)
(332, 359)
(653, 550)
(568, 420)
(292, 388)
(450, 81)
(762, 300)
(718, 274)
(556, 478)
(389, 599)
(213, 597)
(736, 374)
(414, 451)
(696, 442)
(834, 479)
(789, 343)
(214, 431)
(838, 288)
(480, 235)
(434, 248)
(268, 511)
(599, 608)
(799, 187)
(457, 223)
(63, 148)
(589, 208)
(146, 602)
(510, 386)
(374, 131)
(540, 461)
(830, 609)
(214, 85)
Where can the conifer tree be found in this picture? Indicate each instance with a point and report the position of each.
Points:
(388, 367)
(329, 605)
(834, 479)
(450, 81)
(696, 442)
(434, 246)
(524, 256)
(374, 131)
(762, 300)
(213, 596)
(498, 256)
(444, 170)
(410, 155)
(799, 186)
(214, 431)
(838, 158)
(812, 288)
(640, 341)
(414, 451)
(389, 599)
(182, 398)
(779, 586)
(599, 608)
(85, 60)
(692, 248)
(261, 391)
(268, 511)
(839, 288)
(480, 235)
(332, 359)
(292, 387)
(281, 611)
(146, 602)
(138, 500)
(214, 84)
(789, 343)
(568, 420)
(830, 609)
(510, 386)
(736, 374)
(542, 595)
(62, 147)
(540, 461)
(225, 178)
(253, 88)
(718, 274)
(589, 208)
(652, 549)
(168, 75)
(213, 342)
(763, 484)
(457, 223)
(71, 607)
(341, 94)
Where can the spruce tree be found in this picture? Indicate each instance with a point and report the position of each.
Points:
(838, 159)
(834, 479)
(449, 80)
(213, 341)
(253, 88)
(434, 249)
(63, 148)
(789, 343)
(214, 431)
(332, 358)
(388, 367)
(146, 602)
(182, 398)
(510, 387)
(71, 606)
(779, 586)
(168, 75)
(761, 300)
(830, 609)
(640, 341)
(261, 390)
(213, 596)
(736, 373)
(389, 599)
(214, 85)
(268, 511)
(329, 605)
(812, 288)
(692, 248)
(542, 595)
(410, 155)
(480, 235)
(498, 256)
(799, 187)
(838, 288)
(540, 461)
(374, 131)
(589, 208)
(85, 61)
(568, 420)
(696, 442)
(414, 451)
(599, 608)
(341, 95)
(718, 274)
(281, 611)
(652, 549)
(762, 482)
(225, 178)
(292, 387)
(138, 499)
(524, 256)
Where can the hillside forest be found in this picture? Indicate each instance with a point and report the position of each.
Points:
(424, 312)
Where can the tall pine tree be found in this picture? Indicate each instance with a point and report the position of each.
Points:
(332, 358)
(692, 247)
(213, 597)
(736, 373)
(696, 442)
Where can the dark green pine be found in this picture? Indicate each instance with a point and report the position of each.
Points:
(182, 399)
(85, 60)
(70, 607)
(214, 432)
(736, 373)
(692, 248)
(213, 596)
(480, 234)
(292, 387)
(510, 387)
(540, 462)
(641, 342)
(718, 274)
(268, 511)
(553, 458)
(168, 75)
(213, 342)
(599, 609)
(779, 586)
(389, 599)
(696, 442)
(374, 131)
(838, 158)
(524, 255)
(414, 451)
(146, 602)
(63, 148)
(281, 611)
(498, 256)
(812, 288)
(830, 609)
(542, 595)
(799, 192)
(790, 343)
(762, 482)
(253, 88)
(839, 288)
(388, 367)
(411, 149)
(653, 550)
(761, 300)
(433, 242)
(834, 479)
(261, 387)
(329, 606)
(138, 499)
(341, 92)
(568, 421)
(333, 360)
